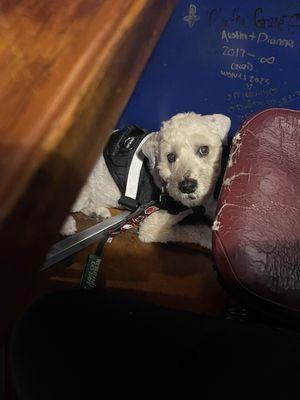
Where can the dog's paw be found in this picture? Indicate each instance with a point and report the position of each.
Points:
(205, 238)
(201, 235)
(148, 228)
(159, 226)
(162, 219)
(97, 212)
(146, 236)
(69, 227)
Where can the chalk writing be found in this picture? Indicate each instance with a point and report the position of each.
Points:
(235, 52)
(267, 60)
(192, 16)
(233, 75)
(261, 37)
(289, 98)
(266, 38)
(259, 80)
(238, 95)
(238, 52)
(252, 105)
(235, 19)
(244, 77)
(253, 48)
(247, 66)
(260, 20)
(237, 35)
(226, 18)
(270, 102)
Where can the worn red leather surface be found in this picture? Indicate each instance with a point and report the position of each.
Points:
(256, 243)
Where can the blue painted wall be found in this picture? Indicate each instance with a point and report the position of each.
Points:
(234, 57)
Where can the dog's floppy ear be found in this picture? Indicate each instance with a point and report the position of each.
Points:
(219, 124)
(150, 149)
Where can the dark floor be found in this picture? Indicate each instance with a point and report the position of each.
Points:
(172, 275)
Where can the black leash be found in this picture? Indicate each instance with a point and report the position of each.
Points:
(102, 231)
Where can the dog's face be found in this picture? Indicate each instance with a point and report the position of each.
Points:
(187, 153)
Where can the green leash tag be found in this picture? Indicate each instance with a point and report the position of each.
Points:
(91, 269)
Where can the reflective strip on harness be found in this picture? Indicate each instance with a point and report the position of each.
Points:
(135, 170)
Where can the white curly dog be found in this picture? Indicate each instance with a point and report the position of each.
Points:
(186, 156)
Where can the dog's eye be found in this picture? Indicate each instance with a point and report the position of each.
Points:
(203, 151)
(171, 157)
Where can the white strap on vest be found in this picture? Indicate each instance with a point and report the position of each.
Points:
(135, 168)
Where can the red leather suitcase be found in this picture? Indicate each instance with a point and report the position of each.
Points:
(256, 241)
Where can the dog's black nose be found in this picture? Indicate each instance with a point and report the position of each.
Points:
(188, 185)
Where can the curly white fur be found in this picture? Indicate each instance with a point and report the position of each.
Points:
(182, 135)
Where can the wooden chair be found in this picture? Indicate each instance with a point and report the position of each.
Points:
(68, 69)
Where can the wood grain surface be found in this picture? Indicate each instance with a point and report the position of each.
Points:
(172, 275)
(67, 70)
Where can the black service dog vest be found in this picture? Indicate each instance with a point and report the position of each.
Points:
(130, 170)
